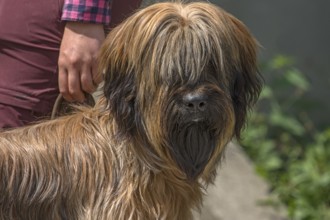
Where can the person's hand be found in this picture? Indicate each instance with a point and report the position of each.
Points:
(77, 60)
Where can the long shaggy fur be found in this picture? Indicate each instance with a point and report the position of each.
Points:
(179, 80)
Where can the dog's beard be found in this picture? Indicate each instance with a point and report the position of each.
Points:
(192, 145)
(194, 135)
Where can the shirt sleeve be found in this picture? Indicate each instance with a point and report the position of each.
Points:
(91, 11)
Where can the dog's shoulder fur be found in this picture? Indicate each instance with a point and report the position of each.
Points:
(79, 161)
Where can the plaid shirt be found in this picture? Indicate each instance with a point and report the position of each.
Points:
(92, 11)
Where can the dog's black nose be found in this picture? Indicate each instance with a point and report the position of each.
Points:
(195, 102)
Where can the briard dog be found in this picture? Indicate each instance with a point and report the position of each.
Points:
(179, 79)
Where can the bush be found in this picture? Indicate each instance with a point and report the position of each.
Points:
(306, 188)
(285, 145)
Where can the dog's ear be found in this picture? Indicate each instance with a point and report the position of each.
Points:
(121, 94)
(246, 81)
(119, 80)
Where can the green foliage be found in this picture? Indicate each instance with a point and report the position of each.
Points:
(308, 189)
(285, 146)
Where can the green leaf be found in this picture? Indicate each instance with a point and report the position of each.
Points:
(281, 61)
(266, 93)
(296, 78)
(273, 163)
(288, 123)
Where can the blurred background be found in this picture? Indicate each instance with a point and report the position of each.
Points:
(287, 139)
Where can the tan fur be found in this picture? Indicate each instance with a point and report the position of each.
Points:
(73, 164)
(116, 160)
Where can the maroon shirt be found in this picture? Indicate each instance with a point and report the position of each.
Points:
(30, 37)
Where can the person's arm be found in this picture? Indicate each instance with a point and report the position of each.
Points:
(82, 38)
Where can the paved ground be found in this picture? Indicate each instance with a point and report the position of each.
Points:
(237, 192)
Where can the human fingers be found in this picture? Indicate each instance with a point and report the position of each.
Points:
(63, 84)
(86, 79)
(75, 90)
(97, 76)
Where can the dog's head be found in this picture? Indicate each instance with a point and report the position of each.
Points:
(180, 78)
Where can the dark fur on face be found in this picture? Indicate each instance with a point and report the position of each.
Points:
(179, 80)
(170, 52)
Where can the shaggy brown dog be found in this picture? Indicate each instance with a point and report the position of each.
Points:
(179, 80)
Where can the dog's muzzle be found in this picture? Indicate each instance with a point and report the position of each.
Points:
(194, 131)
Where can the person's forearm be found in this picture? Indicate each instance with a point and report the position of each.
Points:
(77, 60)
